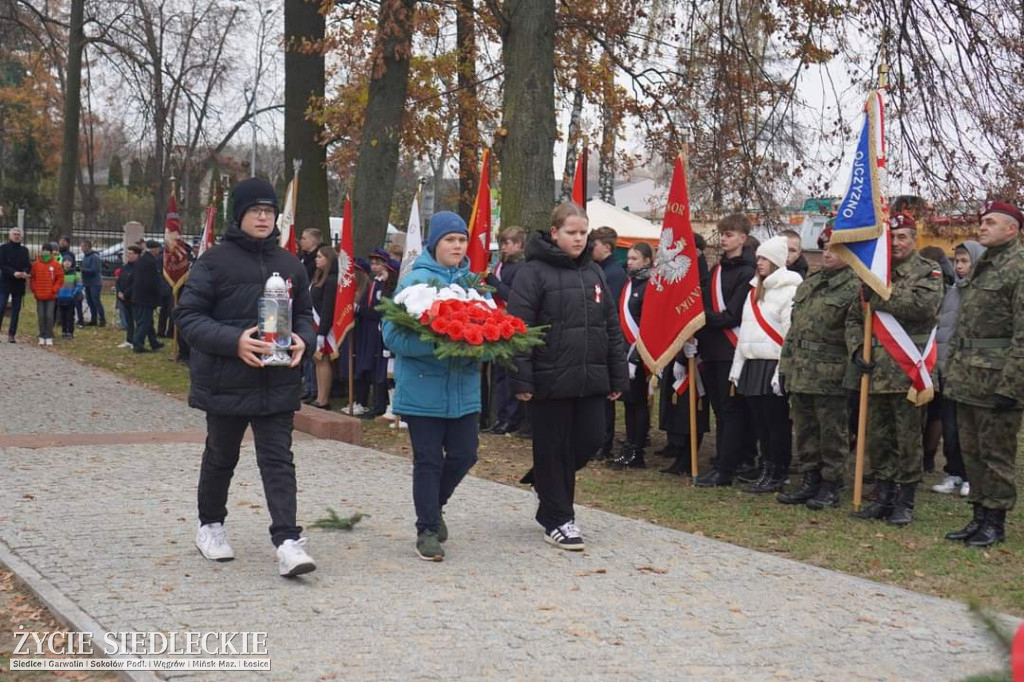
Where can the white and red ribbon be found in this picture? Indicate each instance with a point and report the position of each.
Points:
(683, 383)
(768, 328)
(718, 304)
(630, 327)
(917, 365)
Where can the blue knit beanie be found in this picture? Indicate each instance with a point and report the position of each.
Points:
(444, 223)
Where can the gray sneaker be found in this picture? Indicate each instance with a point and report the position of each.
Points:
(428, 546)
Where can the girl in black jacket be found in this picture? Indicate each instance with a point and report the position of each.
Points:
(566, 380)
(638, 412)
(323, 291)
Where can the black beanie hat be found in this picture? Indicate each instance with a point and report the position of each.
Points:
(252, 192)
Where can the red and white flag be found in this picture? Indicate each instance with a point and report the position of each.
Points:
(673, 309)
(479, 249)
(718, 304)
(286, 221)
(207, 240)
(345, 293)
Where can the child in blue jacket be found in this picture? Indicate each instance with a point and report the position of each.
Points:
(439, 399)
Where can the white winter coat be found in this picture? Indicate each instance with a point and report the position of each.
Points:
(777, 308)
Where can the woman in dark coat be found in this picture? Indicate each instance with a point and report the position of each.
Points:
(323, 291)
(638, 413)
(582, 363)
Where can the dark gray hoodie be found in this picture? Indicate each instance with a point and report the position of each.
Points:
(951, 305)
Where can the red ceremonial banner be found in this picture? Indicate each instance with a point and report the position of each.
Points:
(579, 181)
(208, 228)
(175, 250)
(673, 308)
(479, 249)
(345, 295)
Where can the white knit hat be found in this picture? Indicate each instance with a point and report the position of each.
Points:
(775, 250)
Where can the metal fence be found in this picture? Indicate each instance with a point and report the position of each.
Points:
(109, 244)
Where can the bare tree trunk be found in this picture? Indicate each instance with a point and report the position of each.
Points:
(572, 148)
(468, 107)
(304, 79)
(609, 134)
(382, 129)
(72, 115)
(528, 108)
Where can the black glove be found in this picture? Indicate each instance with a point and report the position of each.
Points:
(858, 361)
(1005, 403)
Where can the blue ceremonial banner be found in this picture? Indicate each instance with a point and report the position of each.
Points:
(861, 231)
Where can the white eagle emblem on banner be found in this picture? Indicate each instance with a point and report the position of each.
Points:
(345, 268)
(670, 262)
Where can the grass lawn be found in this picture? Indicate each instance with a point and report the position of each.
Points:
(915, 557)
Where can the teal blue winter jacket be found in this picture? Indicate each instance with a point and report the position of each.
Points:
(424, 385)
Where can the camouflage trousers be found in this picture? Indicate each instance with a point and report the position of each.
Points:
(894, 438)
(988, 441)
(821, 438)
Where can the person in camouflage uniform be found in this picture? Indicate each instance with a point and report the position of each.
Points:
(985, 373)
(894, 422)
(814, 363)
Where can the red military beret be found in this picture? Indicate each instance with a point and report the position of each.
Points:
(902, 220)
(826, 235)
(1004, 208)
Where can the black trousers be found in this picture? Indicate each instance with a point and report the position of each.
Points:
(273, 436)
(734, 433)
(165, 326)
(951, 441)
(143, 327)
(608, 443)
(771, 424)
(565, 434)
(129, 323)
(444, 450)
(638, 423)
(66, 315)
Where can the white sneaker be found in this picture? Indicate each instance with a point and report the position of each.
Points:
(212, 541)
(292, 559)
(358, 409)
(949, 485)
(49, 342)
(567, 536)
(965, 489)
(42, 341)
(124, 344)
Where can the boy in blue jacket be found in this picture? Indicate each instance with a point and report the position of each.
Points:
(439, 399)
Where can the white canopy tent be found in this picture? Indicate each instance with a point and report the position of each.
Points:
(631, 228)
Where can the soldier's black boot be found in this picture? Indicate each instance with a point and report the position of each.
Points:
(993, 530)
(882, 507)
(903, 510)
(972, 527)
(828, 496)
(809, 487)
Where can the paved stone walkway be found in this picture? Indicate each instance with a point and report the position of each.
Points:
(111, 528)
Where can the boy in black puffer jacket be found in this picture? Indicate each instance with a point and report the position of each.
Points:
(581, 364)
(217, 315)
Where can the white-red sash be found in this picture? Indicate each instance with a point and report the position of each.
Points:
(915, 364)
(763, 322)
(630, 327)
(683, 383)
(325, 347)
(718, 304)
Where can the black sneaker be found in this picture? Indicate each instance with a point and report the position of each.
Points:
(567, 536)
(428, 546)
(750, 474)
(157, 345)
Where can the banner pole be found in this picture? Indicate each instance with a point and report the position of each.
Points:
(174, 326)
(862, 416)
(351, 372)
(691, 368)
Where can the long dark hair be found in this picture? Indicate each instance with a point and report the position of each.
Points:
(320, 274)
